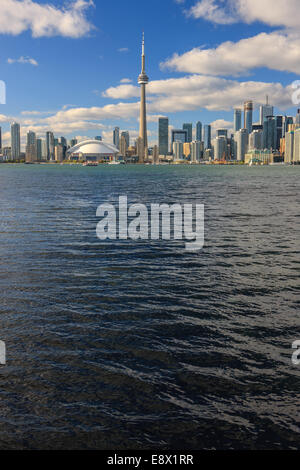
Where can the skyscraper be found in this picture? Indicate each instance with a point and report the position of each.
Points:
(50, 145)
(163, 135)
(143, 81)
(31, 147)
(15, 141)
(265, 111)
(237, 125)
(199, 131)
(270, 133)
(207, 137)
(116, 137)
(179, 135)
(126, 136)
(241, 138)
(188, 127)
(248, 116)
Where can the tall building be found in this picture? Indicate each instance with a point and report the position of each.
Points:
(50, 145)
(196, 151)
(155, 155)
(0, 138)
(143, 81)
(222, 132)
(256, 140)
(123, 145)
(39, 150)
(207, 137)
(199, 131)
(270, 133)
(237, 125)
(188, 127)
(163, 135)
(297, 120)
(265, 111)
(31, 147)
(116, 137)
(241, 139)
(296, 152)
(248, 116)
(220, 147)
(15, 141)
(179, 135)
(126, 136)
(289, 147)
(178, 151)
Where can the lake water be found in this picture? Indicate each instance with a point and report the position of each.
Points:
(142, 345)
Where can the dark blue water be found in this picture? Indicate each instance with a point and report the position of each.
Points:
(139, 345)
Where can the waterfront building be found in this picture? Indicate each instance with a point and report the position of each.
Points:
(196, 151)
(93, 151)
(265, 110)
(256, 141)
(199, 131)
(222, 132)
(220, 148)
(126, 136)
(237, 124)
(296, 150)
(0, 138)
(179, 135)
(31, 147)
(50, 145)
(59, 153)
(207, 137)
(143, 81)
(39, 150)
(15, 141)
(123, 145)
(116, 137)
(241, 140)
(187, 150)
(163, 135)
(155, 154)
(248, 116)
(188, 127)
(270, 133)
(289, 147)
(178, 151)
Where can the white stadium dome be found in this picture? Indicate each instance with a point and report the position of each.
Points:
(93, 150)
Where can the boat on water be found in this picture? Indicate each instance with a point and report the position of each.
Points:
(90, 164)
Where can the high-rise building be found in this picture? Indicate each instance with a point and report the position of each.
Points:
(50, 145)
(179, 135)
(270, 133)
(143, 81)
(297, 119)
(188, 127)
(207, 137)
(126, 136)
(288, 121)
(220, 148)
(256, 140)
(237, 125)
(199, 131)
(123, 145)
(155, 155)
(241, 138)
(196, 151)
(178, 151)
(39, 150)
(296, 152)
(31, 147)
(163, 135)
(265, 110)
(15, 141)
(222, 132)
(289, 147)
(0, 138)
(248, 116)
(116, 137)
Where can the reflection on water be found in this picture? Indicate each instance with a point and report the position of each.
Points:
(140, 345)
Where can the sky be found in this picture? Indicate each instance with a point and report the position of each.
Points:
(72, 67)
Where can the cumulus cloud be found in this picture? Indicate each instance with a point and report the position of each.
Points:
(18, 16)
(276, 51)
(271, 12)
(23, 60)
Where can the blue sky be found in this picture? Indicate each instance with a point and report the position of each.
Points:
(65, 63)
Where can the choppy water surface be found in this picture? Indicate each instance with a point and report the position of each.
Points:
(135, 345)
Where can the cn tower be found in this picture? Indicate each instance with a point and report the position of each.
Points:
(143, 81)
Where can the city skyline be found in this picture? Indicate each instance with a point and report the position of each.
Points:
(186, 85)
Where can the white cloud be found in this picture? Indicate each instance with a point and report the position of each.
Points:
(200, 91)
(18, 16)
(23, 60)
(125, 80)
(123, 49)
(276, 51)
(271, 12)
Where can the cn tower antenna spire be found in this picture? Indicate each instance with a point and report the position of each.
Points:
(143, 81)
